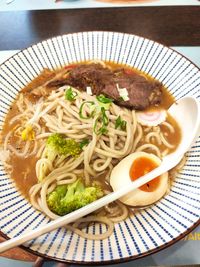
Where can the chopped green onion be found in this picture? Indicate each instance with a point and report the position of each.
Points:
(123, 125)
(104, 117)
(106, 106)
(123, 93)
(83, 143)
(99, 130)
(101, 98)
(103, 121)
(120, 124)
(104, 102)
(70, 94)
(81, 110)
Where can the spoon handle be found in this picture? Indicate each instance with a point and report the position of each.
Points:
(16, 241)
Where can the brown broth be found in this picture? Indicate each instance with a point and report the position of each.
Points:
(173, 139)
(24, 168)
(24, 173)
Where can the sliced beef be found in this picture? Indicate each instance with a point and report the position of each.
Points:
(142, 92)
(92, 75)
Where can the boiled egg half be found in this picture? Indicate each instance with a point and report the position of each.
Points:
(131, 168)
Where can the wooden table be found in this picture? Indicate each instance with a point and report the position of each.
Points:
(171, 26)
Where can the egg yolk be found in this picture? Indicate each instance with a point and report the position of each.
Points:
(142, 166)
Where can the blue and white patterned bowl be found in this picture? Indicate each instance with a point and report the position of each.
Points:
(147, 230)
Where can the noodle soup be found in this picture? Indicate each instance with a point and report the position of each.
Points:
(68, 129)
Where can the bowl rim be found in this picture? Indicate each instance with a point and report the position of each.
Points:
(129, 258)
(114, 261)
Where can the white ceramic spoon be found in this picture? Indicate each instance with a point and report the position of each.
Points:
(187, 113)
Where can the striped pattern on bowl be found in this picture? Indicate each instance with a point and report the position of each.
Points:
(145, 231)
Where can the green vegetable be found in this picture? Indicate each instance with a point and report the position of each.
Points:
(103, 121)
(70, 94)
(104, 117)
(104, 102)
(120, 124)
(101, 98)
(102, 129)
(84, 143)
(57, 146)
(67, 198)
(90, 103)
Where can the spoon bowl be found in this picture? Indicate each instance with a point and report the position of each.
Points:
(186, 112)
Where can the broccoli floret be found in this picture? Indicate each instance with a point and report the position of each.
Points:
(57, 145)
(67, 198)
(60, 145)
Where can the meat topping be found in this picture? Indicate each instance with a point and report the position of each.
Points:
(128, 88)
(142, 92)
